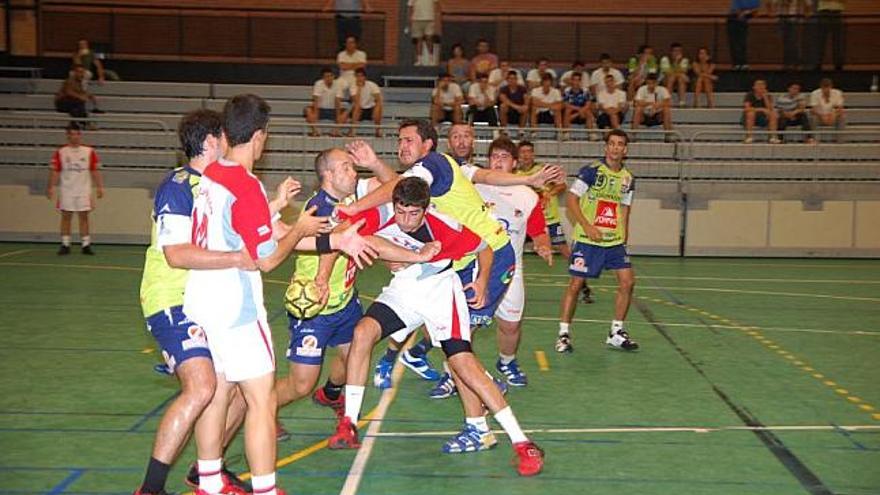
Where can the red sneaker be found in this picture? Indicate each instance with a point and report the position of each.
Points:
(529, 458)
(346, 436)
(320, 398)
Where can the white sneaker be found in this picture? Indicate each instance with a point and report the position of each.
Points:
(774, 140)
(620, 340)
(748, 140)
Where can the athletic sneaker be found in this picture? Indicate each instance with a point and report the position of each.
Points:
(445, 388)
(470, 439)
(346, 436)
(420, 366)
(320, 398)
(382, 375)
(163, 369)
(281, 434)
(63, 250)
(587, 294)
(231, 483)
(620, 340)
(502, 386)
(512, 373)
(529, 458)
(563, 343)
(88, 250)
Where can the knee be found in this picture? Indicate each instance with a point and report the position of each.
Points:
(627, 285)
(199, 396)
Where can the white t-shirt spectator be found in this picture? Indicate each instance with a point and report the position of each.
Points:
(610, 100)
(447, 98)
(598, 78)
(358, 57)
(552, 96)
(327, 95)
(535, 77)
(660, 94)
(498, 77)
(423, 10)
(366, 95)
(835, 99)
(482, 98)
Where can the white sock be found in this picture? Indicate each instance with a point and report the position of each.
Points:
(264, 484)
(616, 326)
(209, 475)
(563, 328)
(65, 240)
(508, 421)
(354, 398)
(479, 423)
(86, 240)
(505, 359)
(446, 368)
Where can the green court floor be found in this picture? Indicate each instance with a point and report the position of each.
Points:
(756, 376)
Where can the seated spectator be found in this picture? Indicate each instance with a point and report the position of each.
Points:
(366, 101)
(498, 76)
(85, 57)
(704, 72)
(349, 60)
(484, 61)
(481, 101)
(652, 105)
(535, 76)
(606, 67)
(546, 103)
(578, 103)
(675, 67)
(514, 100)
(826, 106)
(72, 97)
(639, 66)
(459, 67)
(327, 94)
(611, 105)
(446, 101)
(758, 110)
(576, 67)
(792, 108)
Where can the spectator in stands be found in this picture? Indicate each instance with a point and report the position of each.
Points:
(546, 103)
(826, 106)
(652, 105)
(578, 103)
(326, 104)
(366, 101)
(348, 18)
(640, 65)
(704, 72)
(829, 22)
(576, 67)
(349, 60)
(792, 108)
(484, 61)
(675, 67)
(514, 100)
(85, 57)
(498, 76)
(611, 105)
(535, 76)
(72, 97)
(446, 101)
(791, 14)
(758, 110)
(424, 24)
(606, 66)
(459, 66)
(738, 30)
(481, 101)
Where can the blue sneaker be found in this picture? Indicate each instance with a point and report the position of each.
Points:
(445, 388)
(420, 366)
(163, 369)
(502, 386)
(470, 439)
(512, 373)
(382, 375)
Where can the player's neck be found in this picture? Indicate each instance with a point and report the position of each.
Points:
(199, 163)
(242, 155)
(614, 165)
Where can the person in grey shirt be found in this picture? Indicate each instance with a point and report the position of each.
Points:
(792, 108)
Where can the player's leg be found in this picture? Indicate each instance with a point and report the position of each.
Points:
(66, 218)
(85, 237)
(569, 303)
(416, 358)
(617, 260)
(509, 318)
(209, 433)
(749, 123)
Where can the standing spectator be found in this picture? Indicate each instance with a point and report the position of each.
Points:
(652, 105)
(792, 108)
(675, 67)
(536, 75)
(791, 14)
(459, 66)
(498, 76)
(606, 66)
(484, 61)
(826, 106)
(424, 19)
(349, 60)
(72, 97)
(611, 105)
(829, 22)
(758, 110)
(446, 101)
(76, 165)
(366, 101)
(326, 104)
(514, 100)
(576, 67)
(546, 102)
(639, 66)
(481, 101)
(85, 57)
(578, 103)
(738, 30)
(348, 18)
(704, 71)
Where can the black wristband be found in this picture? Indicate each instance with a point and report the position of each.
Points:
(322, 243)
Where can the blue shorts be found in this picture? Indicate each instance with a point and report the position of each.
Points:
(588, 261)
(327, 114)
(178, 337)
(503, 266)
(309, 338)
(557, 235)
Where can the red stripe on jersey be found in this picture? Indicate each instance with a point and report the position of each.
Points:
(455, 243)
(56, 161)
(456, 328)
(266, 342)
(536, 224)
(250, 211)
(371, 226)
(93, 160)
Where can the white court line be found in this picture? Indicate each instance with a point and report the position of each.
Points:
(762, 265)
(13, 253)
(729, 279)
(650, 429)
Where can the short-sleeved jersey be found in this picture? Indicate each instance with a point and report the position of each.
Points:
(74, 165)
(551, 203)
(162, 286)
(518, 209)
(603, 193)
(344, 273)
(230, 213)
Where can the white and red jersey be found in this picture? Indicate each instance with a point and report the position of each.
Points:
(230, 213)
(74, 165)
(518, 209)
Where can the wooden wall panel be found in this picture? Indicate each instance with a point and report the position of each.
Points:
(61, 30)
(146, 34)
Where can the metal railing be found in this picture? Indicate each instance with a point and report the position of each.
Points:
(35, 120)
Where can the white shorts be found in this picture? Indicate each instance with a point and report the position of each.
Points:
(241, 353)
(438, 302)
(511, 307)
(421, 29)
(68, 202)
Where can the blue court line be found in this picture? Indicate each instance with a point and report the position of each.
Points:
(155, 411)
(849, 437)
(66, 482)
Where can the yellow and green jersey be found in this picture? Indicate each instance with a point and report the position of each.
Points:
(603, 193)
(550, 202)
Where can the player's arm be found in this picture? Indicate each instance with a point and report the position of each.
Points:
(53, 181)
(363, 155)
(376, 197)
(389, 251)
(94, 164)
(550, 173)
(479, 285)
(326, 262)
(625, 210)
(191, 257)
(536, 228)
(575, 214)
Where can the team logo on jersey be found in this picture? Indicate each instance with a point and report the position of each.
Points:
(600, 180)
(404, 242)
(579, 264)
(309, 347)
(197, 338)
(180, 177)
(507, 276)
(606, 214)
(264, 230)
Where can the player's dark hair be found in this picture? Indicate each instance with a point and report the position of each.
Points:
(577, 62)
(325, 70)
(73, 126)
(504, 143)
(351, 36)
(675, 45)
(642, 48)
(546, 77)
(651, 76)
(243, 115)
(617, 132)
(322, 162)
(411, 191)
(424, 128)
(513, 73)
(360, 70)
(577, 73)
(195, 127)
(604, 56)
(792, 83)
(525, 142)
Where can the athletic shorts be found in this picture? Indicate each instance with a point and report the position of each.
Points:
(243, 352)
(70, 202)
(367, 113)
(327, 114)
(652, 120)
(546, 117)
(513, 116)
(588, 261)
(178, 337)
(603, 121)
(514, 300)
(557, 234)
(309, 338)
(421, 29)
(503, 267)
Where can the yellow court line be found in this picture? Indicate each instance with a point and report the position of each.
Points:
(543, 364)
(62, 265)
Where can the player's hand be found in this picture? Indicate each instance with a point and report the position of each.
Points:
(310, 225)
(362, 154)
(244, 261)
(100, 192)
(352, 244)
(545, 252)
(323, 290)
(549, 173)
(593, 233)
(286, 190)
(348, 210)
(429, 250)
(50, 192)
(479, 298)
